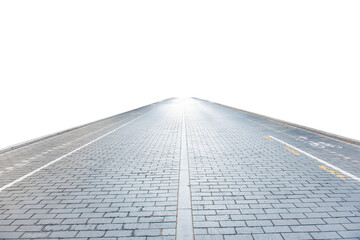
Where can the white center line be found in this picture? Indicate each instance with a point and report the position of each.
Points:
(68, 154)
(319, 160)
(184, 223)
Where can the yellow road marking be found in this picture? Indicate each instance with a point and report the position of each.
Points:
(283, 130)
(294, 152)
(268, 138)
(332, 172)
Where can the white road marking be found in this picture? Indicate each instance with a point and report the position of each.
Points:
(68, 154)
(50, 150)
(319, 160)
(184, 225)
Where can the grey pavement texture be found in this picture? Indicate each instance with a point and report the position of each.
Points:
(124, 178)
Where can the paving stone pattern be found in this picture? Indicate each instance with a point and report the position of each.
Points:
(125, 185)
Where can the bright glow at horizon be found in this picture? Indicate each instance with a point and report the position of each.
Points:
(66, 63)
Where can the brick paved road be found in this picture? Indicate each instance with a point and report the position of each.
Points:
(241, 177)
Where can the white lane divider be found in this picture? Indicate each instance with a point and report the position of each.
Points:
(184, 223)
(319, 160)
(68, 154)
(24, 162)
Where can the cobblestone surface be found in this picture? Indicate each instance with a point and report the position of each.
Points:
(125, 185)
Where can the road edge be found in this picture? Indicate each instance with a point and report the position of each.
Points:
(31, 141)
(327, 134)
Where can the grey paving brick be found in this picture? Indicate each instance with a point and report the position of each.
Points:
(222, 230)
(131, 238)
(277, 229)
(56, 227)
(151, 219)
(243, 217)
(163, 225)
(272, 236)
(7, 228)
(325, 235)
(10, 235)
(125, 185)
(209, 237)
(295, 215)
(24, 222)
(91, 215)
(348, 226)
(75, 221)
(29, 228)
(317, 215)
(336, 220)
(20, 216)
(160, 238)
(311, 221)
(218, 217)
(238, 237)
(331, 227)
(118, 233)
(349, 234)
(268, 216)
(147, 232)
(82, 227)
(125, 220)
(259, 223)
(35, 234)
(89, 234)
(305, 228)
(232, 223)
(99, 220)
(4, 222)
(246, 230)
(296, 236)
(206, 224)
(63, 234)
(168, 231)
(354, 219)
(136, 225)
(200, 231)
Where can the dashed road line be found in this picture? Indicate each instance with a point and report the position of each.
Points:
(267, 138)
(294, 152)
(332, 172)
(292, 136)
(319, 160)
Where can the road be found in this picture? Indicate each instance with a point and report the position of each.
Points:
(182, 169)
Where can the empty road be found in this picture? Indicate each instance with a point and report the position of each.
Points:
(182, 169)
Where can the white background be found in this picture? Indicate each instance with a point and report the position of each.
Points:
(66, 63)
